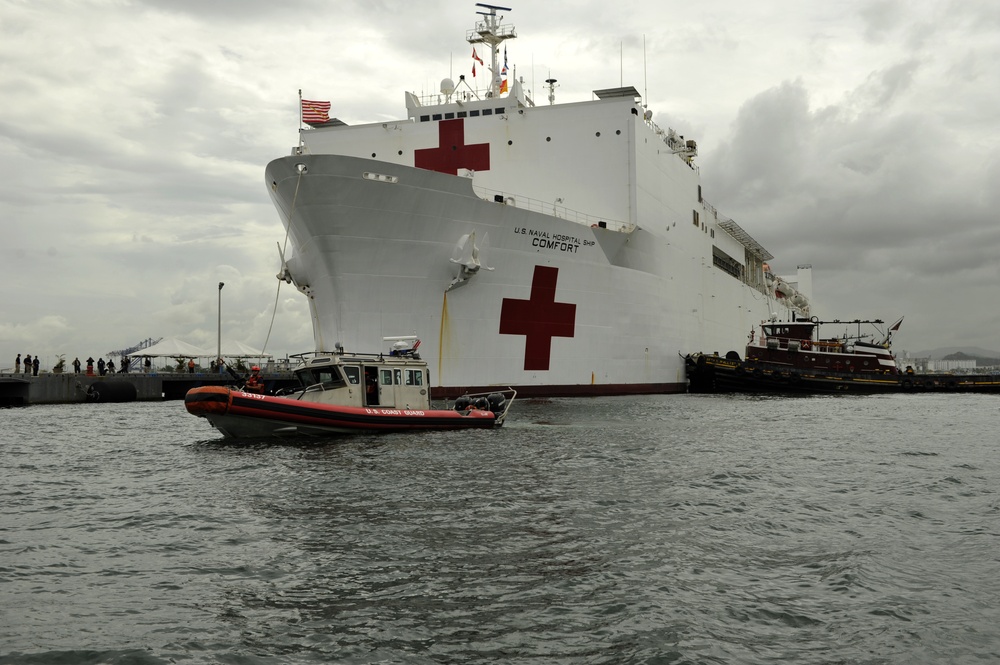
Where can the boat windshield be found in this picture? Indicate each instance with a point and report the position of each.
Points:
(328, 378)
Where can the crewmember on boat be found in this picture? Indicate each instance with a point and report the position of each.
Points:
(254, 383)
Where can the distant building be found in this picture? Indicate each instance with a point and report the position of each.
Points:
(950, 365)
(931, 365)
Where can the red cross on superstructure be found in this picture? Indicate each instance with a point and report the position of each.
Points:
(539, 318)
(452, 154)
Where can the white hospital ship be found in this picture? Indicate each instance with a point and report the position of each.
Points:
(562, 249)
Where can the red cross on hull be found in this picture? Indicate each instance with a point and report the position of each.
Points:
(452, 154)
(539, 318)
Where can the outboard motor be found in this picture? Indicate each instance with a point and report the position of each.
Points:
(482, 404)
(497, 402)
(462, 403)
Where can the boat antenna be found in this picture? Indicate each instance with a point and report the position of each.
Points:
(301, 143)
(552, 89)
(621, 63)
(645, 78)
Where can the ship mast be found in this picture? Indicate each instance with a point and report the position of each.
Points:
(490, 32)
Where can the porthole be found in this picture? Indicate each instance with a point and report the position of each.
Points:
(618, 131)
(548, 138)
(510, 143)
(597, 134)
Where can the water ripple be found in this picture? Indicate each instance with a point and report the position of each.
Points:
(686, 529)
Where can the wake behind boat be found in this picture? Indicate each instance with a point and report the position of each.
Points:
(343, 393)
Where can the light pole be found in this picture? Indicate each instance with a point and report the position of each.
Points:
(218, 354)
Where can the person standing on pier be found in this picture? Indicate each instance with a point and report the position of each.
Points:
(17, 364)
(27, 364)
(76, 365)
(125, 364)
(101, 367)
(90, 366)
(111, 366)
(34, 366)
(148, 364)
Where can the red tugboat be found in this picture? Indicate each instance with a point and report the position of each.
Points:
(790, 356)
(343, 393)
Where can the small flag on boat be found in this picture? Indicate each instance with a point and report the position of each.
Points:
(893, 328)
(476, 57)
(315, 113)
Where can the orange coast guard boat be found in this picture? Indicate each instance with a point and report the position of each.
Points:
(343, 393)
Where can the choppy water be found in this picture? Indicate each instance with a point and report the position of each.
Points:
(666, 529)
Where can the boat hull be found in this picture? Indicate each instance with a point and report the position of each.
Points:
(239, 414)
(713, 374)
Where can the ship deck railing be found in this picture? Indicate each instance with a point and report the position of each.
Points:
(827, 346)
(553, 209)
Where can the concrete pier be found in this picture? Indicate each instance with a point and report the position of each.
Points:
(49, 388)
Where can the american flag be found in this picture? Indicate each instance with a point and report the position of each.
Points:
(315, 113)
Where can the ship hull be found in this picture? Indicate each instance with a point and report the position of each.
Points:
(558, 307)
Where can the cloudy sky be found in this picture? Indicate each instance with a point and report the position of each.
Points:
(859, 136)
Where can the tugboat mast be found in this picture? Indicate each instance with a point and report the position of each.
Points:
(490, 32)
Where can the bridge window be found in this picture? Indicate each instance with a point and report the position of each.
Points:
(414, 377)
(386, 377)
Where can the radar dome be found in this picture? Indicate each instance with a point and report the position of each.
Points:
(447, 86)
